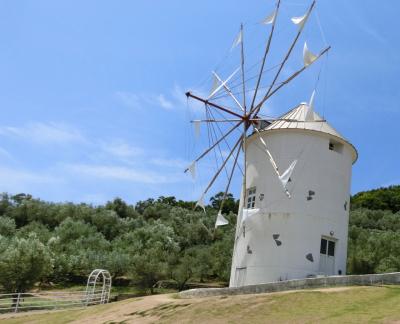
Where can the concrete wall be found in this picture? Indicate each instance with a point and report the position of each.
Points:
(299, 222)
(297, 284)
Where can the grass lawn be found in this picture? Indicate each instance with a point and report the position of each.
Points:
(331, 305)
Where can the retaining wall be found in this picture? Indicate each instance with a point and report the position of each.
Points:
(296, 284)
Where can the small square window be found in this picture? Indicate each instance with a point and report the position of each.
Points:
(335, 146)
(251, 198)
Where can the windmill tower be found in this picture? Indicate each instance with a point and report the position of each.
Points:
(293, 215)
(279, 238)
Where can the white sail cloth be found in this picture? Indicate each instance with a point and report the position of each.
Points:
(237, 40)
(300, 21)
(285, 176)
(308, 56)
(270, 19)
(221, 220)
(214, 85)
(192, 169)
(197, 128)
(247, 213)
(223, 84)
(310, 111)
(200, 203)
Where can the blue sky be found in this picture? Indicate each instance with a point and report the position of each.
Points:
(92, 92)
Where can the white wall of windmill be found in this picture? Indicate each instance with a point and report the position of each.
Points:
(299, 222)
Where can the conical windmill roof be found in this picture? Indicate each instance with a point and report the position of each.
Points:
(302, 118)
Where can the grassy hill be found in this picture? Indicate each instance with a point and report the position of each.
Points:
(330, 305)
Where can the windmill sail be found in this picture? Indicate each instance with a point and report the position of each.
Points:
(192, 169)
(197, 126)
(300, 21)
(286, 175)
(214, 85)
(236, 127)
(237, 40)
(221, 220)
(223, 84)
(200, 203)
(270, 19)
(310, 111)
(308, 56)
(247, 213)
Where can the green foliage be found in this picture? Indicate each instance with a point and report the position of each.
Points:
(162, 239)
(378, 199)
(374, 241)
(23, 262)
(122, 209)
(7, 226)
(150, 249)
(230, 204)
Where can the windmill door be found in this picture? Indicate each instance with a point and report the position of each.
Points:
(240, 276)
(327, 256)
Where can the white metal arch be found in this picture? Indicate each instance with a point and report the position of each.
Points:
(98, 287)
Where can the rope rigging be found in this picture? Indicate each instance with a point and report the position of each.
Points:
(237, 86)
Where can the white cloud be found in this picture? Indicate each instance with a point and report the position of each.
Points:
(19, 180)
(164, 103)
(170, 163)
(5, 154)
(138, 101)
(44, 133)
(173, 100)
(178, 94)
(121, 173)
(129, 99)
(121, 149)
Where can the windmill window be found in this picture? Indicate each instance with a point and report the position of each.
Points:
(327, 247)
(324, 244)
(251, 198)
(331, 248)
(335, 146)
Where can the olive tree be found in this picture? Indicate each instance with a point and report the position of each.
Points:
(23, 262)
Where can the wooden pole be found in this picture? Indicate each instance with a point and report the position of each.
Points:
(230, 179)
(215, 144)
(294, 75)
(215, 120)
(188, 94)
(265, 55)
(245, 126)
(222, 166)
(255, 111)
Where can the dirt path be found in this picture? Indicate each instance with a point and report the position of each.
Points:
(150, 309)
(138, 310)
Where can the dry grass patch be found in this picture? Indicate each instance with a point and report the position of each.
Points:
(331, 305)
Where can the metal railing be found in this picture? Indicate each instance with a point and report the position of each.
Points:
(48, 300)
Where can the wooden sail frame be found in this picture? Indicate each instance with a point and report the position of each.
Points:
(249, 117)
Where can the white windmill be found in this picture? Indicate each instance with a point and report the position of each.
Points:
(293, 215)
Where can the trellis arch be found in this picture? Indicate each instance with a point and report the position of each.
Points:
(98, 287)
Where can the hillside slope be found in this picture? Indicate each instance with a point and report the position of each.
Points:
(330, 305)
